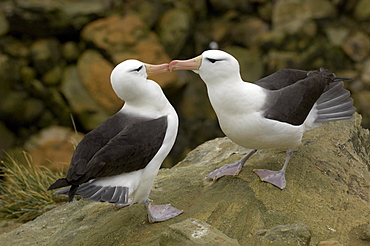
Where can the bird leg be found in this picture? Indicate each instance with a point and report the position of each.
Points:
(230, 169)
(276, 178)
(158, 213)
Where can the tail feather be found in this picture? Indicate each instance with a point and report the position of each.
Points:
(112, 194)
(335, 104)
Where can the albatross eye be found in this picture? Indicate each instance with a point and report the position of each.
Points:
(137, 69)
(214, 60)
(211, 60)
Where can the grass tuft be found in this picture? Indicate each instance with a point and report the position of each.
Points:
(23, 189)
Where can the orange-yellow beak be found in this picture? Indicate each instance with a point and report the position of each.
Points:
(191, 64)
(155, 69)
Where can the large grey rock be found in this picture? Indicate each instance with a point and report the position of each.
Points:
(327, 190)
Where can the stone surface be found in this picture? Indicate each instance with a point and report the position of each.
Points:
(362, 10)
(291, 16)
(87, 110)
(357, 46)
(45, 54)
(282, 235)
(194, 232)
(7, 137)
(327, 190)
(128, 37)
(52, 17)
(53, 147)
(174, 29)
(94, 72)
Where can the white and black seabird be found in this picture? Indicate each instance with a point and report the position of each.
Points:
(118, 161)
(273, 112)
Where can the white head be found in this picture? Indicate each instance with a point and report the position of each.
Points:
(211, 65)
(129, 79)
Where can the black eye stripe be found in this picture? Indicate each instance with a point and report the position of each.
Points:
(137, 69)
(214, 60)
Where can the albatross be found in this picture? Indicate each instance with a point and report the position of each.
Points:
(275, 111)
(118, 161)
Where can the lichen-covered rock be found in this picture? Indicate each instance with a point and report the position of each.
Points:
(327, 190)
(282, 235)
(194, 232)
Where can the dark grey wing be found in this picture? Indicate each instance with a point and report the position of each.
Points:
(293, 103)
(130, 150)
(89, 146)
(281, 79)
(92, 143)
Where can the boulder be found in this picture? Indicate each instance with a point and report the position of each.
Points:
(53, 147)
(293, 16)
(326, 197)
(94, 72)
(52, 17)
(128, 37)
(89, 113)
(357, 46)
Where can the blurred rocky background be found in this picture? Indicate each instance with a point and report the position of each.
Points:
(56, 57)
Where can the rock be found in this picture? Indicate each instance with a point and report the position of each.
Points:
(173, 30)
(94, 72)
(53, 76)
(249, 32)
(70, 51)
(251, 65)
(90, 114)
(366, 234)
(293, 15)
(18, 108)
(282, 235)
(357, 46)
(7, 137)
(330, 242)
(194, 232)
(53, 147)
(45, 54)
(365, 75)
(362, 10)
(337, 35)
(327, 189)
(4, 25)
(53, 18)
(128, 37)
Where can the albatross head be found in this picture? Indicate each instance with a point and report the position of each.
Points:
(129, 78)
(211, 65)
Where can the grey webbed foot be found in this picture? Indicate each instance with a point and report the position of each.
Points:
(276, 178)
(228, 169)
(158, 213)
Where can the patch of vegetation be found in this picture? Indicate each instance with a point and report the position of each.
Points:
(23, 190)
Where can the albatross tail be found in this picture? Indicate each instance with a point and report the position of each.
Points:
(334, 104)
